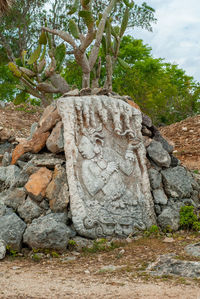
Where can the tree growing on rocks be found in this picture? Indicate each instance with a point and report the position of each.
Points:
(80, 41)
(86, 34)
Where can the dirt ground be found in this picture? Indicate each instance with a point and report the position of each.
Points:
(185, 136)
(116, 273)
(17, 120)
(83, 275)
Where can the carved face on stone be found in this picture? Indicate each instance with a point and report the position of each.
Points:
(86, 148)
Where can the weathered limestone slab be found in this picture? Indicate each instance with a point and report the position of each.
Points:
(169, 265)
(106, 166)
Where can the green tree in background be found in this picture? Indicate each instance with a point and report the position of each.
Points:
(162, 90)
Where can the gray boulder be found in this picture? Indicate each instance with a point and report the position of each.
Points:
(168, 265)
(29, 210)
(160, 197)
(48, 231)
(158, 137)
(7, 157)
(4, 210)
(47, 160)
(174, 161)
(177, 182)
(9, 175)
(169, 218)
(2, 249)
(5, 147)
(158, 154)
(12, 174)
(14, 198)
(146, 121)
(155, 178)
(193, 249)
(11, 230)
(20, 180)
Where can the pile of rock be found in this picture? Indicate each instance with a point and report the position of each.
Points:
(34, 198)
(172, 185)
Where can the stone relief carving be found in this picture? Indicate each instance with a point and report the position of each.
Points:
(107, 177)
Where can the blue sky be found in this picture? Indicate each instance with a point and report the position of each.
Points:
(176, 35)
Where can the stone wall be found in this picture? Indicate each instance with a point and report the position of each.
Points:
(45, 199)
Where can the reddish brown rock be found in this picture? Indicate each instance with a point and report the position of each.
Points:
(57, 191)
(47, 111)
(55, 142)
(37, 142)
(49, 118)
(37, 183)
(34, 145)
(17, 153)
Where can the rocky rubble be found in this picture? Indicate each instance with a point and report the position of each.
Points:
(34, 198)
(170, 265)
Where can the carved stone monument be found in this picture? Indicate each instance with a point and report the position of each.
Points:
(106, 166)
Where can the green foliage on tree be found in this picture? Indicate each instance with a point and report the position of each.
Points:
(19, 30)
(162, 90)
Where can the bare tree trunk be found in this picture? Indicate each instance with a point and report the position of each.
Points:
(109, 71)
(59, 82)
(86, 80)
(99, 34)
(95, 81)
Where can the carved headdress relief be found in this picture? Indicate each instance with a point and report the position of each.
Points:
(106, 166)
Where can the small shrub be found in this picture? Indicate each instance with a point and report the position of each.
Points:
(71, 244)
(36, 257)
(188, 219)
(101, 245)
(10, 251)
(55, 254)
(196, 171)
(168, 230)
(153, 230)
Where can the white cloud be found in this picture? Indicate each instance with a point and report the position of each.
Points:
(176, 35)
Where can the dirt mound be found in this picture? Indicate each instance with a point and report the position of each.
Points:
(185, 136)
(17, 120)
